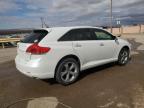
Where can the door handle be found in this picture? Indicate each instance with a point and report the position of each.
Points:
(101, 44)
(78, 45)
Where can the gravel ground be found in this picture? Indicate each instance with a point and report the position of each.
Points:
(7, 54)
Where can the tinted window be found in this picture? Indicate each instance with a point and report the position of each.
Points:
(68, 36)
(77, 35)
(35, 36)
(103, 35)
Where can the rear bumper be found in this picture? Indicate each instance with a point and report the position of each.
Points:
(34, 69)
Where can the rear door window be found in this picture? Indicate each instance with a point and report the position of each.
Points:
(78, 35)
(35, 37)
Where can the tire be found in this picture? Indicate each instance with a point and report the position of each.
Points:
(67, 71)
(123, 57)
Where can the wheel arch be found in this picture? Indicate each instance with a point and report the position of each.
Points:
(125, 47)
(68, 56)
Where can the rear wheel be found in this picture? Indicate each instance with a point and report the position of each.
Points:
(123, 56)
(67, 71)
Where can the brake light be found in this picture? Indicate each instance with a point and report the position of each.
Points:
(36, 49)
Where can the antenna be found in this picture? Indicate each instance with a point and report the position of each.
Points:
(43, 23)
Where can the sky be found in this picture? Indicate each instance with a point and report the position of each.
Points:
(27, 13)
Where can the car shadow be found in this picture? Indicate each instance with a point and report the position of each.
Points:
(51, 81)
(95, 70)
(85, 73)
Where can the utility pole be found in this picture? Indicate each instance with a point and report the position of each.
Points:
(42, 22)
(111, 25)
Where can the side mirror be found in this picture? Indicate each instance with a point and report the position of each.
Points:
(116, 40)
(115, 37)
(119, 35)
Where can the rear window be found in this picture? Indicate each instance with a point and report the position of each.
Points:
(35, 37)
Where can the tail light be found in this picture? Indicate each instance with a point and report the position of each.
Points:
(36, 49)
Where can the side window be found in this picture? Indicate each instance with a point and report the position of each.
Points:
(83, 35)
(103, 35)
(77, 35)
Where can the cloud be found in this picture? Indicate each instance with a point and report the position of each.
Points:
(27, 13)
(8, 5)
(16, 22)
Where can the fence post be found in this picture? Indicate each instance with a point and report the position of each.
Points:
(140, 28)
(3, 45)
(121, 30)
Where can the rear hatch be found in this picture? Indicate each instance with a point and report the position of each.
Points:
(35, 37)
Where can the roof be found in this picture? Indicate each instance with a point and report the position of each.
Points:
(69, 28)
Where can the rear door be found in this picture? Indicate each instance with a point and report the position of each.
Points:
(84, 45)
(35, 37)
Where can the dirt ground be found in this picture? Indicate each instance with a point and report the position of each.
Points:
(107, 86)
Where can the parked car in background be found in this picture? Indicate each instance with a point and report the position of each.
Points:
(62, 52)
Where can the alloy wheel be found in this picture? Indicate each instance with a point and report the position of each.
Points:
(69, 71)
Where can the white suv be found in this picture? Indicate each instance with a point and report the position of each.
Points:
(62, 52)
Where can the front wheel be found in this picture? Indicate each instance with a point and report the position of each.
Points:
(123, 56)
(67, 71)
